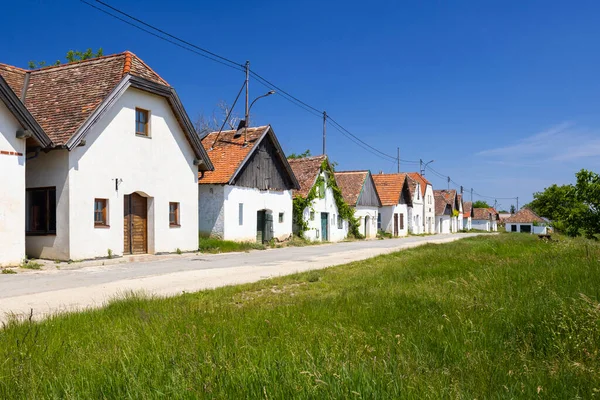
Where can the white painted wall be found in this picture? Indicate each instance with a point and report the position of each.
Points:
(364, 213)
(467, 223)
(416, 225)
(327, 205)
(481, 224)
(255, 200)
(538, 230)
(211, 210)
(442, 224)
(12, 191)
(387, 218)
(429, 210)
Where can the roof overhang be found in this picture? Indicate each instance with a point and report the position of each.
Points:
(157, 89)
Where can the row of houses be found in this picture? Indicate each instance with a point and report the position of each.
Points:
(99, 157)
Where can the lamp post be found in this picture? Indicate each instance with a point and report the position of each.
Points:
(425, 166)
(246, 122)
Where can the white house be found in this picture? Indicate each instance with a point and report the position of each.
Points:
(426, 197)
(248, 196)
(395, 199)
(358, 191)
(443, 213)
(525, 220)
(461, 217)
(450, 197)
(467, 215)
(415, 213)
(18, 129)
(120, 174)
(322, 216)
(485, 219)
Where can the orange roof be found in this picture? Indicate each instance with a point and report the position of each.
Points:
(306, 170)
(389, 187)
(524, 216)
(351, 184)
(61, 98)
(422, 181)
(228, 153)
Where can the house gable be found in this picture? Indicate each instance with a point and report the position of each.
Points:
(368, 195)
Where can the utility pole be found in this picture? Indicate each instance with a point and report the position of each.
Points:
(448, 183)
(517, 203)
(324, 130)
(398, 159)
(461, 190)
(495, 202)
(471, 195)
(421, 166)
(247, 114)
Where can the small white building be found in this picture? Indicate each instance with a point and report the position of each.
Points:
(395, 199)
(485, 219)
(120, 174)
(443, 213)
(248, 196)
(322, 216)
(461, 211)
(449, 197)
(426, 197)
(415, 213)
(467, 215)
(527, 221)
(358, 191)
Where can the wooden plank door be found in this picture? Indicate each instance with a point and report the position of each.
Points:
(396, 224)
(260, 226)
(135, 224)
(324, 227)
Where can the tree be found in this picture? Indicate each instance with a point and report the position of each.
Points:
(555, 202)
(512, 209)
(480, 204)
(301, 155)
(586, 216)
(72, 56)
(205, 125)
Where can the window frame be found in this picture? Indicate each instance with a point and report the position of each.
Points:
(104, 223)
(145, 112)
(47, 231)
(281, 217)
(177, 222)
(340, 222)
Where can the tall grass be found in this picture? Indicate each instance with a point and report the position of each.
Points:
(496, 316)
(211, 245)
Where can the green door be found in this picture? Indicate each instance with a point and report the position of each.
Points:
(260, 225)
(324, 227)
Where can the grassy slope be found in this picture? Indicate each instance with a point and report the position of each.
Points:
(494, 316)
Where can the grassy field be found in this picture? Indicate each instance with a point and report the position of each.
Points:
(503, 316)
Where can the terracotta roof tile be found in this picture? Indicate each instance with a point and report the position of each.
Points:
(389, 187)
(422, 181)
(467, 209)
(61, 98)
(351, 183)
(481, 213)
(228, 153)
(449, 197)
(524, 216)
(306, 170)
(440, 203)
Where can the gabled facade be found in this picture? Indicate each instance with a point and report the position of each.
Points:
(485, 219)
(248, 196)
(527, 221)
(450, 197)
(467, 215)
(428, 200)
(443, 213)
(415, 213)
(359, 191)
(321, 216)
(119, 173)
(395, 199)
(461, 211)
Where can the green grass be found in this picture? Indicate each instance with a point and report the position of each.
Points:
(502, 316)
(8, 271)
(31, 264)
(211, 245)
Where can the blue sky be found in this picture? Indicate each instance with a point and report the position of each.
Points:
(503, 95)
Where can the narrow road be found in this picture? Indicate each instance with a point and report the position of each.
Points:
(87, 285)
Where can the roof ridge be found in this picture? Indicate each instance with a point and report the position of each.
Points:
(130, 54)
(352, 172)
(127, 63)
(15, 67)
(76, 63)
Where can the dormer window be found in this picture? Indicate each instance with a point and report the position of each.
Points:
(141, 122)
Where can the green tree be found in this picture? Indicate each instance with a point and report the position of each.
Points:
(480, 204)
(72, 56)
(555, 202)
(512, 209)
(301, 155)
(585, 217)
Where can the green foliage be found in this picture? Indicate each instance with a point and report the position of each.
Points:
(513, 210)
(178, 251)
(497, 316)
(71, 56)
(480, 204)
(455, 213)
(110, 253)
(301, 155)
(31, 264)
(8, 271)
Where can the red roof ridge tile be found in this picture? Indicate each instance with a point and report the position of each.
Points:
(127, 64)
(15, 67)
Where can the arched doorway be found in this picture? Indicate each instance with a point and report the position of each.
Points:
(367, 226)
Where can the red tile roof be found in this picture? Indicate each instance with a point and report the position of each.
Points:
(482, 213)
(449, 197)
(61, 98)
(524, 216)
(389, 187)
(306, 170)
(440, 203)
(351, 184)
(422, 181)
(467, 209)
(228, 153)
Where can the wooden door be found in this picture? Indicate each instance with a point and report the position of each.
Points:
(395, 224)
(324, 227)
(260, 225)
(135, 224)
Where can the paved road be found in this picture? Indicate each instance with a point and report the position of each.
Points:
(91, 285)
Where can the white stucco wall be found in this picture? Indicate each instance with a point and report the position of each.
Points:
(12, 191)
(467, 223)
(387, 218)
(429, 210)
(538, 230)
(327, 205)
(481, 224)
(211, 210)
(442, 224)
(51, 170)
(362, 212)
(255, 200)
(416, 225)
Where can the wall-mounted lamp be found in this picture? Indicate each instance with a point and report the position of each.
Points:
(118, 181)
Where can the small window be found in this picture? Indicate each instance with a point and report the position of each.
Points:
(513, 228)
(312, 215)
(280, 218)
(378, 222)
(401, 221)
(100, 212)
(241, 214)
(141, 122)
(340, 222)
(174, 214)
(40, 211)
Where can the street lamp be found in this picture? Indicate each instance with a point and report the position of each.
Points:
(425, 166)
(246, 122)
